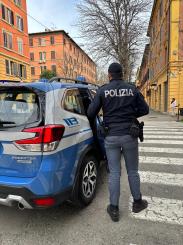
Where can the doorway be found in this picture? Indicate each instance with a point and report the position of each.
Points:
(166, 96)
(159, 97)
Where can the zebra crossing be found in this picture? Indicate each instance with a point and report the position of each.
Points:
(162, 150)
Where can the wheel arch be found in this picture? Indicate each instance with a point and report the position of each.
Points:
(90, 149)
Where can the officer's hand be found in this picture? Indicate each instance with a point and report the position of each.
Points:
(134, 130)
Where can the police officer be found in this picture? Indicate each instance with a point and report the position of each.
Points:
(122, 103)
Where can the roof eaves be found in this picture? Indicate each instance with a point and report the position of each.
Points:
(152, 13)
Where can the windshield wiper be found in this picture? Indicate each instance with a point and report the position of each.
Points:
(6, 122)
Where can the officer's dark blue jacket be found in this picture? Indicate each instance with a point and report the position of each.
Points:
(121, 103)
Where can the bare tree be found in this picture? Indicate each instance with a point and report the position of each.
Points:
(114, 29)
(102, 77)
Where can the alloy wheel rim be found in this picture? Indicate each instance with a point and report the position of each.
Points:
(89, 179)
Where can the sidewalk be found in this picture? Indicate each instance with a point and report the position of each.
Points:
(160, 117)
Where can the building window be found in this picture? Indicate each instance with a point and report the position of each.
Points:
(14, 69)
(31, 42)
(33, 71)
(7, 15)
(22, 71)
(160, 10)
(20, 45)
(7, 64)
(54, 68)
(8, 40)
(32, 56)
(52, 40)
(20, 24)
(42, 56)
(18, 3)
(41, 41)
(70, 46)
(43, 68)
(53, 56)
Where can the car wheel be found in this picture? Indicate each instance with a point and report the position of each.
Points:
(88, 180)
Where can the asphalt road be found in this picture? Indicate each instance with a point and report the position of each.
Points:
(162, 223)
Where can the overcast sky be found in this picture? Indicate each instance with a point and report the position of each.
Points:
(57, 14)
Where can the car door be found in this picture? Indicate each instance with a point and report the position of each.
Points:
(19, 109)
(74, 104)
(77, 135)
(87, 96)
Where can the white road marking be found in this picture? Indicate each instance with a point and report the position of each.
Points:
(162, 133)
(164, 142)
(161, 160)
(163, 137)
(160, 150)
(161, 178)
(165, 129)
(163, 126)
(162, 210)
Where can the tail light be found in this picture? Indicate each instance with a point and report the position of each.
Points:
(46, 138)
(44, 202)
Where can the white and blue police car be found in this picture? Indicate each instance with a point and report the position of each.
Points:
(48, 151)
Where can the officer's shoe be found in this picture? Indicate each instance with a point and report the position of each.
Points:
(139, 205)
(113, 212)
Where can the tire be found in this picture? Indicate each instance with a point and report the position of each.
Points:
(88, 179)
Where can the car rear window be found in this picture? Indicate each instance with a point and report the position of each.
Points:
(18, 107)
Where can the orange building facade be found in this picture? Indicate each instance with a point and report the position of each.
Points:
(58, 52)
(14, 45)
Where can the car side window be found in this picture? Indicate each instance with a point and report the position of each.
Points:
(93, 94)
(73, 102)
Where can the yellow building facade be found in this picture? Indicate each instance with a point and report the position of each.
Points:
(165, 57)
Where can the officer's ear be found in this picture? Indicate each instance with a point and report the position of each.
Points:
(109, 76)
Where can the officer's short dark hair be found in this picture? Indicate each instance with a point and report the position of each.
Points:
(115, 70)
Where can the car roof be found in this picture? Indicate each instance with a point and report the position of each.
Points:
(46, 86)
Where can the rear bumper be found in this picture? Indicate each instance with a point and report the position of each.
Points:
(12, 200)
(13, 196)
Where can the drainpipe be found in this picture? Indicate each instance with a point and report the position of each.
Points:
(168, 50)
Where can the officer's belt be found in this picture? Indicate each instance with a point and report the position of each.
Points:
(121, 124)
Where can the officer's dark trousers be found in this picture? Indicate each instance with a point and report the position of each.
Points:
(115, 147)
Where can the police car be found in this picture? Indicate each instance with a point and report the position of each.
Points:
(48, 152)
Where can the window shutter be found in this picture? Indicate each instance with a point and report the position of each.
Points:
(32, 70)
(53, 55)
(10, 42)
(15, 69)
(5, 39)
(7, 67)
(22, 24)
(3, 12)
(24, 72)
(12, 18)
(19, 70)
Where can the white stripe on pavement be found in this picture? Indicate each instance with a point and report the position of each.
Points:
(163, 137)
(164, 126)
(161, 178)
(160, 150)
(161, 160)
(164, 129)
(162, 210)
(162, 133)
(164, 142)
